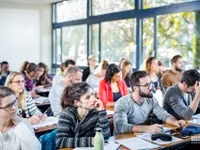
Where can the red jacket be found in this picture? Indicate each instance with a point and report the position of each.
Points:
(105, 91)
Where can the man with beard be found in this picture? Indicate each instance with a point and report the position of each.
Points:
(182, 99)
(133, 110)
(173, 75)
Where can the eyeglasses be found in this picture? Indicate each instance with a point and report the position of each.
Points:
(10, 106)
(147, 85)
(18, 82)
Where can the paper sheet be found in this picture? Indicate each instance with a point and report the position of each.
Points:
(197, 116)
(137, 143)
(41, 100)
(158, 141)
(194, 121)
(109, 112)
(49, 121)
(43, 90)
(110, 146)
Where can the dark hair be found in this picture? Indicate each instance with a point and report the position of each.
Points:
(31, 67)
(111, 71)
(135, 77)
(73, 70)
(73, 92)
(5, 92)
(148, 64)
(44, 78)
(190, 77)
(23, 67)
(104, 65)
(4, 63)
(69, 61)
(175, 58)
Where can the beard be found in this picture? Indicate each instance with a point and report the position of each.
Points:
(147, 95)
(178, 69)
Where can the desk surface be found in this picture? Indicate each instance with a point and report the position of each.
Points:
(125, 136)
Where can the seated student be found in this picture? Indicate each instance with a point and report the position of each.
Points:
(94, 79)
(81, 114)
(4, 72)
(180, 100)
(112, 87)
(23, 67)
(59, 77)
(133, 110)
(16, 82)
(16, 133)
(173, 75)
(90, 69)
(126, 72)
(73, 75)
(42, 80)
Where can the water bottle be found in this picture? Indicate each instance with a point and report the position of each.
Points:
(98, 140)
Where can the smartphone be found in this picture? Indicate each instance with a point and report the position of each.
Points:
(178, 135)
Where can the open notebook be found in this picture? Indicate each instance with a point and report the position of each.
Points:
(49, 121)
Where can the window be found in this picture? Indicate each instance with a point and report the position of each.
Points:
(95, 41)
(175, 36)
(75, 44)
(71, 10)
(58, 47)
(118, 40)
(157, 3)
(108, 6)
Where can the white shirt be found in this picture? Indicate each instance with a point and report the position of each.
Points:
(55, 98)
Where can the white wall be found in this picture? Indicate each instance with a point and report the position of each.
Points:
(25, 34)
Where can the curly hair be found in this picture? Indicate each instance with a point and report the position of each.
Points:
(73, 92)
(111, 71)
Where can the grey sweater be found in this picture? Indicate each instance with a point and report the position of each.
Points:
(177, 103)
(128, 113)
(72, 132)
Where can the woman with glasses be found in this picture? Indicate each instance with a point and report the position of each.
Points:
(112, 87)
(15, 133)
(81, 114)
(16, 82)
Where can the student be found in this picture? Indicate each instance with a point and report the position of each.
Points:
(126, 72)
(182, 99)
(42, 80)
(23, 67)
(16, 133)
(94, 79)
(59, 77)
(152, 69)
(133, 110)
(81, 114)
(90, 69)
(173, 75)
(4, 72)
(16, 82)
(112, 87)
(73, 75)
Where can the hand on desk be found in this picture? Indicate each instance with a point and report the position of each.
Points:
(37, 119)
(180, 123)
(40, 87)
(43, 117)
(156, 128)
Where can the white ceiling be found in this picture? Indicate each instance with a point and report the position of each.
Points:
(31, 1)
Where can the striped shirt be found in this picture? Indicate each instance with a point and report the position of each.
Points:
(73, 132)
(31, 108)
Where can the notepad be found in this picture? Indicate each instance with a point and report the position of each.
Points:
(109, 146)
(43, 90)
(137, 143)
(49, 121)
(197, 116)
(158, 141)
(194, 121)
(110, 112)
(41, 100)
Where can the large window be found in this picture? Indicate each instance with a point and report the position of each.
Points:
(118, 40)
(109, 6)
(74, 44)
(95, 41)
(157, 3)
(71, 10)
(175, 36)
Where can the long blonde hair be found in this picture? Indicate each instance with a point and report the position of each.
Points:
(22, 96)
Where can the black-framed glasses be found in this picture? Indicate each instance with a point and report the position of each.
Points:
(10, 106)
(147, 85)
(18, 82)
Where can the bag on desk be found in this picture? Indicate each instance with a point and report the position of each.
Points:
(190, 130)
